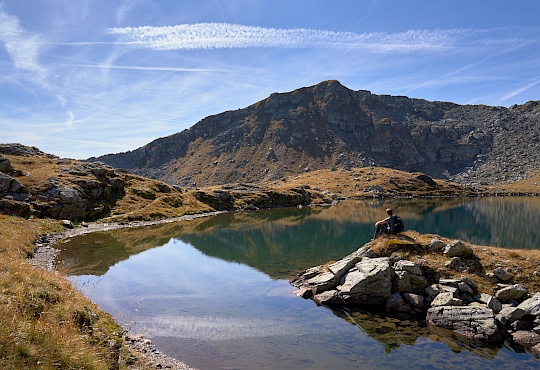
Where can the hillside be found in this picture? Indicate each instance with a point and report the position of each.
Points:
(328, 126)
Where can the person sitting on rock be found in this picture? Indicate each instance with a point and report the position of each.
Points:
(386, 226)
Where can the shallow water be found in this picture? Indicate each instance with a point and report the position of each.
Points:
(214, 292)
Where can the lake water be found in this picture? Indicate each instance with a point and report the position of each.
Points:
(214, 292)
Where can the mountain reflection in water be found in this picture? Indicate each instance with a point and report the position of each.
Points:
(214, 291)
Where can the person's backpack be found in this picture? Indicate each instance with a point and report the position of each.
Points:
(398, 224)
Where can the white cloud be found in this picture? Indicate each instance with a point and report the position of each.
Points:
(226, 36)
(142, 68)
(22, 47)
(518, 91)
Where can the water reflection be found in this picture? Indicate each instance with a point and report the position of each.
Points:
(214, 291)
(284, 241)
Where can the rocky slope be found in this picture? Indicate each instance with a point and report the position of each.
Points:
(36, 184)
(329, 126)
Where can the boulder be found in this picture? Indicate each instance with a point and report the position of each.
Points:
(395, 302)
(322, 282)
(531, 306)
(509, 314)
(490, 302)
(415, 300)
(511, 293)
(458, 249)
(526, 338)
(369, 282)
(408, 277)
(327, 297)
(5, 165)
(471, 322)
(436, 245)
(446, 299)
(501, 274)
(470, 282)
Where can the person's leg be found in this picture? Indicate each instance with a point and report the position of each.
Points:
(381, 229)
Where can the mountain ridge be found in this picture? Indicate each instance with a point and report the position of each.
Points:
(328, 126)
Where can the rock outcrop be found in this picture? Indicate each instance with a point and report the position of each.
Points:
(79, 191)
(374, 278)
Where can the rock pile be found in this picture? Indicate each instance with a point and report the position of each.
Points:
(394, 284)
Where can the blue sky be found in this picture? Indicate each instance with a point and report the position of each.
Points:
(90, 77)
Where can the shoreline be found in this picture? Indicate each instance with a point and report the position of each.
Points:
(45, 254)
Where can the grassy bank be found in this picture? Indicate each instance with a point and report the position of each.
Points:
(46, 323)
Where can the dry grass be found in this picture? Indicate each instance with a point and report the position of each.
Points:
(523, 264)
(41, 312)
(363, 182)
(529, 186)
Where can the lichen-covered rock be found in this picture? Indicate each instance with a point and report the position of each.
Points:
(446, 299)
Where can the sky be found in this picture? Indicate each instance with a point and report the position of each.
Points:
(91, 77)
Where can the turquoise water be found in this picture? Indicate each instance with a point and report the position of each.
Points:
(214, 292)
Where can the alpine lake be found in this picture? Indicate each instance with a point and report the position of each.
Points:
(214, 292)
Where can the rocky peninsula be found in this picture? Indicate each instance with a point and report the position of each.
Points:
(403, 274)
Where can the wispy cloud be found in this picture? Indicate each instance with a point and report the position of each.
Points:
(142, 68)
(22, 47)
(226, 36)
(518, 91)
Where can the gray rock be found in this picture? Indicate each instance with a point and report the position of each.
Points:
(68, 224)
(322, 282)
(470, 282)
(408, 277)
(395, 302)
(471, 322)
(511, 293)
(458, 249)
(340, 267)
(436, 245)
(327, 297)
(446, 299)
(509, 314)
(5, 165)
(450, 282)
(501, 274)
(369, 282)
(490, 302)
(415, 300)
(465, 288)
(454, 263)
(531, 306)
(433, 290)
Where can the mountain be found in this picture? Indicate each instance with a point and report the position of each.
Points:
(328, 126)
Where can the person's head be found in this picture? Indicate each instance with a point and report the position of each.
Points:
(389, 212)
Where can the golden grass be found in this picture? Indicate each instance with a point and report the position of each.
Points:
(361, 182)
(39, 311)
(523, 264)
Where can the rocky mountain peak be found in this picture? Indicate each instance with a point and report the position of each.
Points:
(328, 126)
